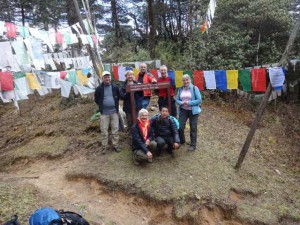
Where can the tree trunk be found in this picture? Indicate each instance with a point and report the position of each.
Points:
(151, 39)
(116, 23)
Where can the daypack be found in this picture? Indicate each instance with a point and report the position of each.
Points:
(13, 221)
(48, 216)
(170, 117)
(71, 218)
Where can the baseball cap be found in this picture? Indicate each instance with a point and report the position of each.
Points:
(105, 73)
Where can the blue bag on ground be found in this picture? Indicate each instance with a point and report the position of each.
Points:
(44, 216)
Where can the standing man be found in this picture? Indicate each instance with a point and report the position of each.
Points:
(163, 93)
(144, 78)
(107, 98)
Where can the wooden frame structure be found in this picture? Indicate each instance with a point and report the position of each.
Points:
(141, 87)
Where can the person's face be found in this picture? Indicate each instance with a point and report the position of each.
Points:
(186, 82)
(163, 72)
(143, 68)
(144, 117)
(129, 77)
(164, 112)
(106, 79)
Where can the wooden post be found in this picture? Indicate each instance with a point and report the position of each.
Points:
(258, 116)
(141, 87)
(264, 101)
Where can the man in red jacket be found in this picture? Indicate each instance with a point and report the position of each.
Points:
(163, 93)
(144, 78)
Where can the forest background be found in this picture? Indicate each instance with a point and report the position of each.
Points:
(242, 33)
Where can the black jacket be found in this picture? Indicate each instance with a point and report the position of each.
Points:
(99, 94)
(138, 97)
(164, 127)
(138, 140)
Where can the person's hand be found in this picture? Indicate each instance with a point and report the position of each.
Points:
(147, 143)
(185, 103)
(176, 145)
(154, 81)
(149, 155)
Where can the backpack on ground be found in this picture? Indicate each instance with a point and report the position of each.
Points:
(72, 218)
(13, 221)
(48, 216)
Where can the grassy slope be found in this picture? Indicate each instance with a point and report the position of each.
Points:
(265, 188)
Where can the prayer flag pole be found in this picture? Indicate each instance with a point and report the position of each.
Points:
(264, 101)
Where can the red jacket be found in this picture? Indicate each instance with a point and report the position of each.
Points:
(146, 80)
(164, 92)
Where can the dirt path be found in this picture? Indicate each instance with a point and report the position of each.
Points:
(88, 197)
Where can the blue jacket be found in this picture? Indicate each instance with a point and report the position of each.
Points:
(195, 102)
(99, 96)
(138, 97)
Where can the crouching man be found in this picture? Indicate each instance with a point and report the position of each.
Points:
(165, 131)
(143, 145)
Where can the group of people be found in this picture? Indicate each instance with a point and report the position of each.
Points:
(161, 132)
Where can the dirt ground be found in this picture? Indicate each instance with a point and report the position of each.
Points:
(50, 157)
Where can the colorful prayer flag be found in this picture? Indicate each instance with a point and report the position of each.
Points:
(82, 78)
(245, 79)
(232, 79)
(178, 78)
(199, 79)
(116, 72)
(6, 81)
(259, 79)
(221, 80)
(32, 82)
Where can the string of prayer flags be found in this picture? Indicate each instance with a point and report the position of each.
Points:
(232, 79)
(178, 78)
(245, 79)
(210, 79)
(6, 81)
(199, 79)
(32, 81)
(259, 79)
(277, 77)
(11, 30)
(221, 80)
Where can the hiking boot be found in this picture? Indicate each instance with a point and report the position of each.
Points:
(191, 148)
(135, 162)
(117, 149)
(103, 151)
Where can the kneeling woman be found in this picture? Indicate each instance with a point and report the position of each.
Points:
(142, 139)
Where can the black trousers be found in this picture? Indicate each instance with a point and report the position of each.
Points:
(161, 141)
(164, 102)
(184, 115)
